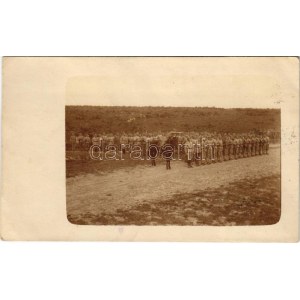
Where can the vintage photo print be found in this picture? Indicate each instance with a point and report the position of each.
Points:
(152, 148)
(172, 165)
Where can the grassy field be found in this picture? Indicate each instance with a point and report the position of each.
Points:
(154, 119)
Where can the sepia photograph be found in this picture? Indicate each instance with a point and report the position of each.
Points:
(151, 148)
(172, 166)
(149, 151)
(216, 164)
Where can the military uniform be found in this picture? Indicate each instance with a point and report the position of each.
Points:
(167, 155)
(188, 147)
(230, 147)
(249, 148)
(245, 146)
(214, 150)
(80, 139)
(116, 142)
(87, 142)
(267, 144)
(209, 150)
(253, 145)
(235, 144)
(241, 147)
(95, 140)
(143, 146)
(153, 153)
(104, 142)
(123, 142)
(73, 141)
(196, 149)
(220, 149)
(203, 150)
(257, 146)
(225, 147)
(261, 145)
(130, 142)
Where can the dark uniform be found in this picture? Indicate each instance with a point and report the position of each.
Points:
(153, 152)
(168, 155)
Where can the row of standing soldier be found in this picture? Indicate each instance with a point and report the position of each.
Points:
(198, 148)
(226, 147)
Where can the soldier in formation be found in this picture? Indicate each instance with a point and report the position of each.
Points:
(199, 148)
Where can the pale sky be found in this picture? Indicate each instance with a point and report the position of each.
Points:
(219, 82)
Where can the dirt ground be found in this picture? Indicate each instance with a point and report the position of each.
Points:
(237, 192)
